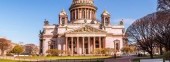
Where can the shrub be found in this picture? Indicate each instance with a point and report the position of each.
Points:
(9, 54)
(127, 49)
(54, 52)
(97, 51)
(166, 55)
(109, 51)
(103, 51)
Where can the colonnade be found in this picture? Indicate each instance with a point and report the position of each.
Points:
(83, 13)
(83, 45)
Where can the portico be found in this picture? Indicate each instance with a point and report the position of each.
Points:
(83, 45)
(84, 40)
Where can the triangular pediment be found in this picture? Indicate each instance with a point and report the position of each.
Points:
(87, 29)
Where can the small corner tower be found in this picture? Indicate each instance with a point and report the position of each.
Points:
(105, 18)
(63, 18)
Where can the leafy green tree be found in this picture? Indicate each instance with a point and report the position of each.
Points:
(18, 49)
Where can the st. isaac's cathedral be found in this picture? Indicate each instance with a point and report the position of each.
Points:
(82, 33)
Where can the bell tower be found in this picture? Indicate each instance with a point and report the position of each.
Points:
(63, 18)
(105, 18)
(82, 10)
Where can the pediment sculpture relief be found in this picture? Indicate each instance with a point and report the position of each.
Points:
(88, 29)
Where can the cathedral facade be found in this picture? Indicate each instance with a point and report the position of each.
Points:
(82, 33)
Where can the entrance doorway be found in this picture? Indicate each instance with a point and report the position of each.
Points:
(86, 48)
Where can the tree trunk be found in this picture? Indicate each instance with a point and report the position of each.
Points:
(2, 52)
(168, 48)
(144, 53)
(151, 55)
(18, 54)
(161, 51)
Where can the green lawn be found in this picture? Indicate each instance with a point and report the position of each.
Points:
(86, 58)
(65, 57)
(6, 60)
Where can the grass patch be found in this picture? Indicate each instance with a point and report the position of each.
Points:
(59, 58)
(7, 60)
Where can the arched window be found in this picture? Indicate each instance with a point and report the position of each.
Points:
(117, 47)
(97, 44)
(107, 21)
(73, 15)
(83, 14)
(51, 44)
(77, 14)
(89, 15)
(63, 21)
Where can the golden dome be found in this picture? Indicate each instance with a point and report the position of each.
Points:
(91, 2)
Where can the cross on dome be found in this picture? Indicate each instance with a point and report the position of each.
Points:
(105, 12)
(83, 2)
(63, 12)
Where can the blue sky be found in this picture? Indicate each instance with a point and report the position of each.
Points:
(21, 20)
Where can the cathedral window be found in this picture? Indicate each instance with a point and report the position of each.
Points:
(89, 14)
(83, 14)
(77, 14)
(97, 44)
(107, 21)
(51, 46)
(117, 46)
(63, 21)
(73, 15)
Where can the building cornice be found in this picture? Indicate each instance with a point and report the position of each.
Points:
(82, 6)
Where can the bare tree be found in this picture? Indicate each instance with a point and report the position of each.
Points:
(162, 28)
(151, 31)
(31, 49)
(141, 32)
(4, 45)
(163, 5)
(163, 12)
